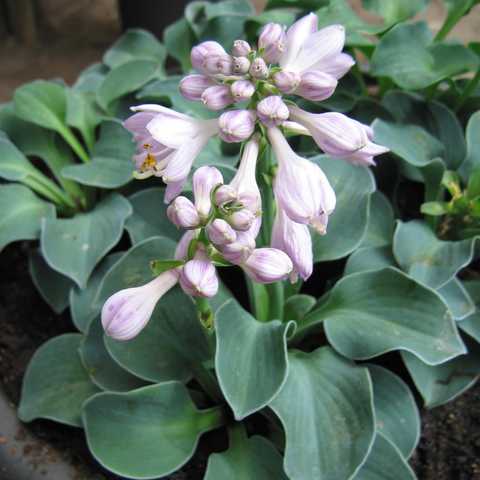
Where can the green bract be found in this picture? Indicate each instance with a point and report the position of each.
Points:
(278, 371)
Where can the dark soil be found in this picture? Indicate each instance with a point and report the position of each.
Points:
(449, 448)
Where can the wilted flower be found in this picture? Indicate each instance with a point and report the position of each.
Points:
(127, 312)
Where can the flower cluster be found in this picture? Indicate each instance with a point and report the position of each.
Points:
(224, 220)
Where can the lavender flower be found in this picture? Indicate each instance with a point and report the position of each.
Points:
(240, 48)
(221, 233)
(182, 213)
(198, 278)
(217, 97)
(204, 180)
(242, 90)
(203, 51)
(241, 65)
(192, 86)
(272, 111)
(272, 42)
(236, 125)
(268, 265)
(126, 313)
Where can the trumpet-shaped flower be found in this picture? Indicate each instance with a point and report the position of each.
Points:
(127, 312)
(301, 188)
(184, 136)
(294, 239)
(268, 265)
(339, 136)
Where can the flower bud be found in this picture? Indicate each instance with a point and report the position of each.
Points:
(181, 251)
(272, 111)
(225, 194)
(241, 219)
(241, 65)
(220, 232)
(286, 82)
(242, 90)
(201, 52)
(183, 214)
(217, 97)
(272, 41)
(236, 125)
(219, 65)
(268, 265)
(204, 180)
(240, 48)
(192, 86)
(238, 251)
(316, 86)
(199, 278)
(127, 312)
(258, 68)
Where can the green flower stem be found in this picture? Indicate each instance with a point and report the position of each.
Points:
(467, 91)
(237, 435)
(259, 301)
(452, 19)
(277, 299)
(213, 418)
(70, 138)
(208, 382)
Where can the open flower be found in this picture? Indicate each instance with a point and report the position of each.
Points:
(127, 312)
(301, 188)
(184, 136)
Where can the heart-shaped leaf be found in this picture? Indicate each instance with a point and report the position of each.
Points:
(103, 371)
(145, 221)
(53, 287)
(381, 222)
(370, 313)
(326, 408)
(179, 39)
(250, 359)
(369, 258)
(347, 226)
(457, 298)
(471, 324)
(56, 384)
(385, 462)
(73, 246)
(472, 159)
(21, 214)
(146, 433)
(440, 384)
(252, 458)
(396, 412)
(409, 57)
(111, 164)
(427, 259)
(135, 44)
(83, 307)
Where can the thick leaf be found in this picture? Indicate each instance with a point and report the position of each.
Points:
(385, 462)
(111, 164)
(42, 103)
(39, 142)
(409, 142)
(21, 214)
(169, 346)
(135, 44)
(396, 412)
(407, 55)
(472, 160)
(326, 408)
(393, 11)
(471, 324)
(53, 287)
(146, 433)
(347, 225)
(14, 165)
(439, 384)
(56, 384)
(434, 117)
(370, 313)
(179, 39)
(75, 245)
(248, 458)
(250, 359)
(125, 79)
(381, 222)
(297, 306)
(427, 259)
(82, 113)
(369, 258)
(457, 299)
(103, 370)
(83, 308)
(146, 222)
(91, 78)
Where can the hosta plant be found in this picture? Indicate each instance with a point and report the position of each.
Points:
(268, 285)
